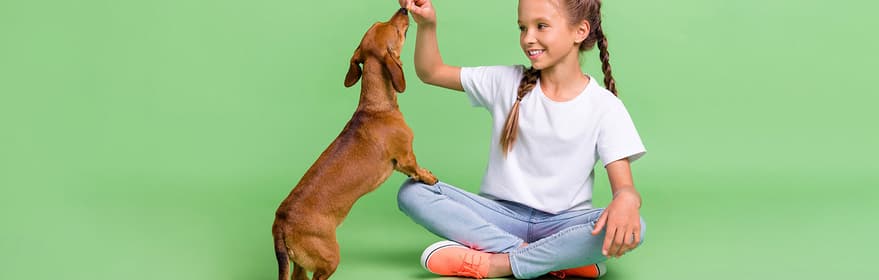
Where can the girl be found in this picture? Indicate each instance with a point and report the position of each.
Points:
(552, 123)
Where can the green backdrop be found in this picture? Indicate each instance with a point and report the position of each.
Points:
(154, 139)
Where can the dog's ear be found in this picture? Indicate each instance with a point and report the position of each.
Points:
(354, 70)
(395, 67)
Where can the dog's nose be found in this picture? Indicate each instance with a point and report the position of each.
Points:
(404, 11)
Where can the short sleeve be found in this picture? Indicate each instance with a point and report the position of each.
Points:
(617, 136)
(484, 84)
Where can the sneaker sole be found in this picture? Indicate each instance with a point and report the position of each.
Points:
(436, 246)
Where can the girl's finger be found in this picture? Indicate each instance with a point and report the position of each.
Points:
(636, 238)
(618, 240)
(600, 224)
(415, 9)
(628, 241)
(411, 7)
(608, 240)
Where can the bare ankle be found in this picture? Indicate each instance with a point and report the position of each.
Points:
(499, 266)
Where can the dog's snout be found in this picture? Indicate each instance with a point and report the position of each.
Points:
(404, 11)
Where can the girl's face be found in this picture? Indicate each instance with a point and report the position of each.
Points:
(546, 35)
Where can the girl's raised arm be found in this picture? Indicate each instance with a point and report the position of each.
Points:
(429, 64)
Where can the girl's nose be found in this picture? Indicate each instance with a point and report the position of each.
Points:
(528, 37)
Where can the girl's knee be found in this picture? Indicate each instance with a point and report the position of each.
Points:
(411, 193)
(407, 192)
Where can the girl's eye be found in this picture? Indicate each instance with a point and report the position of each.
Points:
(521, 28)
(542, 26)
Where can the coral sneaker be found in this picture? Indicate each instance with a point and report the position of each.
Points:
(449, 258)
(586, 271)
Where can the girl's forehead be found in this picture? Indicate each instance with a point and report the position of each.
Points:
(530, 10)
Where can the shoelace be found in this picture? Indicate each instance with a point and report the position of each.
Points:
(470, 266)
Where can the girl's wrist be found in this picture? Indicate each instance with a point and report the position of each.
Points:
(426, 25)
(629, 195)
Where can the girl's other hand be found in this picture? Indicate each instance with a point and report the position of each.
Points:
(421, 10)
(623, 223)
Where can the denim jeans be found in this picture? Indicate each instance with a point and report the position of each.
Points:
(555, 241)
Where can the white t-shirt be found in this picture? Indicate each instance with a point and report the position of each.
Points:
(550, 167)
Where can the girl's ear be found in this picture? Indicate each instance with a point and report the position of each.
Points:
(582, 31)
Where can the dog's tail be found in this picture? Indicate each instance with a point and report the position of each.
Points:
(281, 253)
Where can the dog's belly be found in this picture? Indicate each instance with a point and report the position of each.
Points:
(331, 200)
(353, 165)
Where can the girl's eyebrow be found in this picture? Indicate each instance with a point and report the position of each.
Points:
(540, 19)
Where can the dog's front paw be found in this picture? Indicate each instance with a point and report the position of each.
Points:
(426, 177)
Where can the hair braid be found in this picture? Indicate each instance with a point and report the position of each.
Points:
(511, 128)
(604, 55)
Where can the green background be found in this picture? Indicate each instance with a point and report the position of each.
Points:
(154, 139)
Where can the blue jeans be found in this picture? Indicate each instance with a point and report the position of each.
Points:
(555, 241)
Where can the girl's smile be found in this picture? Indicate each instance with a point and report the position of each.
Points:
(534, 54)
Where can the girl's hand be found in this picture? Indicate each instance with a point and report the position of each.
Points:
(421, 10)
(623, 225)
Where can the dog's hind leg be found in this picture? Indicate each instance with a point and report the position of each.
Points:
(299, 272)
(322, 274)
(327, 260)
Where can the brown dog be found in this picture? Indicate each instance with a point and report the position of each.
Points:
(374, 143)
